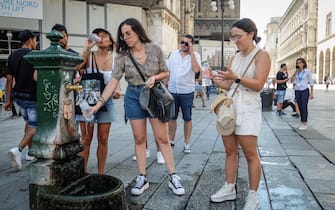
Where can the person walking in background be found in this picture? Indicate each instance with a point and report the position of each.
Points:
(281, 79)
(101, 60)
(133, 41)
(24, 92)
(248, 108)
(327, 80)
(199, 91)
(206, 75)
(183, 64)
(302, 79)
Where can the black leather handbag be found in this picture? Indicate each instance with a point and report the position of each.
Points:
(157, 100)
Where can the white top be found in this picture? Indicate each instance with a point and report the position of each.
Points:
(181, 73)
(247, 103)
(107, 74)
(239, 65)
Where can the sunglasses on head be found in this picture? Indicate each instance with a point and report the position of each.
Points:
(184, 43)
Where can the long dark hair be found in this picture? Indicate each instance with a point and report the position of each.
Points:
(248, 26)
(137, 27)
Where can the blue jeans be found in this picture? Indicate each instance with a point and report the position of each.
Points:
(183, 101)
(280, 96)
(133, 109)
(28, 111)
(302, 97)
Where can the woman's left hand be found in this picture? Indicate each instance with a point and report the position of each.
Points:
(229, 74)
(150, 82)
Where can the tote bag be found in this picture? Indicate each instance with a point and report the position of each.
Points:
(93, 85)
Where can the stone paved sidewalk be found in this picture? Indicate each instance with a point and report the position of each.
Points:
(298, 166)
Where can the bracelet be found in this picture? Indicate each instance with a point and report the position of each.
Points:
(102, 100)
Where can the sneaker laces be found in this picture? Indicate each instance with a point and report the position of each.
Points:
(139, 182)
(175, 181)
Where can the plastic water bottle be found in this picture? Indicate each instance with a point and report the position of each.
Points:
(85, 109)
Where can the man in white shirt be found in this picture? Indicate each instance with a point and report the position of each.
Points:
(183, 64)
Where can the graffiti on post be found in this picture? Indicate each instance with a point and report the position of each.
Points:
(51, 95)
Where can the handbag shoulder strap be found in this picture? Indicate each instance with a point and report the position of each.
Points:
(136, 66)
(94, 62)
(245, 71)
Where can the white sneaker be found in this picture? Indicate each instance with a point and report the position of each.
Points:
(175, 185)
(141, 185)
(160, 158)
(302, 127)
(15, 157)
(147, 154)
(28, 157)
(226, 193)
(251, 201)
(187, 148)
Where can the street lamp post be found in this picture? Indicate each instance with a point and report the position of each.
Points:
(231, 5)
(9, 37)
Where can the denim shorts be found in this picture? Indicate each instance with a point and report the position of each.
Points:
(132, 106)
(102, 117)
(183, 101)
(28, 111)
(280, 96)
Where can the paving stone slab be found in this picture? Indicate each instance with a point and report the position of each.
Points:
(298, 146)
(323, 145)
(307, 162)
(285, 132)
(271, 151)
(330, 156)
(321, 186)
(291, 140)
(299, 152)
(310, 133)
(326, 174)
(269, 163)
(15, 191)
(189, 169)
(327, 201)
(268, 140)
(287, 190)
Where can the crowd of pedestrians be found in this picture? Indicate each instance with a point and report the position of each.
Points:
(133, 51)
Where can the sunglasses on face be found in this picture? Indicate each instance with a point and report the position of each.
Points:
(184, 43)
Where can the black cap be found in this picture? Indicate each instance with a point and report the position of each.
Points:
(26, 35)
(98, 30)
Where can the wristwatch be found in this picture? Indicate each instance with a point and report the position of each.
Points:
(238, 80)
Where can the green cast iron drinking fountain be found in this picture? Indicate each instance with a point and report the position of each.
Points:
(57, 178)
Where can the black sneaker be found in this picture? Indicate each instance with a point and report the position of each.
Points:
(175, 185)
(141, 185)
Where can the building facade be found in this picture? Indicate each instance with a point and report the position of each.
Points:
(208, 29)
(297, 33)
(271, 44)
(326, 41)
(164, 20)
